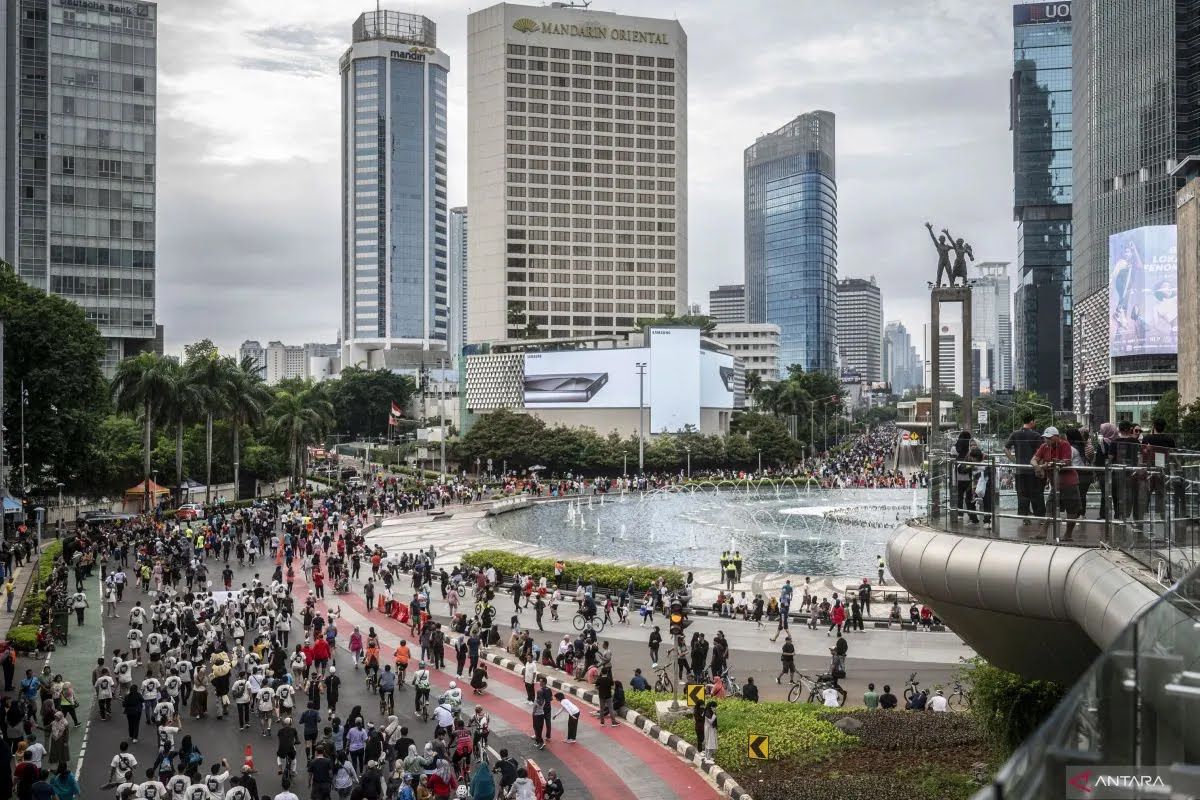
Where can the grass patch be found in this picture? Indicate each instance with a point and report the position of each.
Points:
(607, 576)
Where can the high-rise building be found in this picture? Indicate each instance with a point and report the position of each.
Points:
(901, 366)
(1136, 77)
(860, 328)
(312, 360)
(253, 350)
(791, 239)
(459, 280)
(991, 322)
(949, 356)
(727, 304)
(1042, 150)
(756, 344)
(79, 155)
(395, 293)
(576, 170)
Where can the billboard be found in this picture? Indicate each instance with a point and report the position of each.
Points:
(1143, 314)
(674, 379)
(718, 380)
(584, 378)
(1037, 13)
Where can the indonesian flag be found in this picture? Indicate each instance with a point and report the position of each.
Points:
(395, 414)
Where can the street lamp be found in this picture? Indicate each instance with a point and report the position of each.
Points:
(58, 523)
(688, 449)
(760, 461)
(641, 370)
(41, 513)
(624, 464)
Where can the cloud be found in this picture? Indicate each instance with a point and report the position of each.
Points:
(249, 137)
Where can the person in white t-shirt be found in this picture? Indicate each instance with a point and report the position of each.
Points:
(938, 702)
(287, 793)
(831, 697)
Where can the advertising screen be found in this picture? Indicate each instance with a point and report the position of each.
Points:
(674, 379)
(1037, 13)
(718, 380)
(584, 379)
(1142, 292)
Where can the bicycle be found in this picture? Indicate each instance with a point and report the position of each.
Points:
(912, 687)
(423, 704)
(662, 679)
(372, 681)
(289, 768)
(387, 702)
(960, 698)
(816, 689)
(595, 623)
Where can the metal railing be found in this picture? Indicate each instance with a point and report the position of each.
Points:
(1133, 711)
(1149, 511)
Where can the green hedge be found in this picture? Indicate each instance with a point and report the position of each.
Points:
(1008, 707)
(606, 575)
(23, 633)
(23, 637)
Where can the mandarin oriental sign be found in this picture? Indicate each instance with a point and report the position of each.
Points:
(526, 25)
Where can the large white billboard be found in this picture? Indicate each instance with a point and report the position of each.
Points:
(585, 378)
(717, 380)
(674, 379)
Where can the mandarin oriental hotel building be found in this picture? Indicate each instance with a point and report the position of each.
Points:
(576, 171)
(395, 243)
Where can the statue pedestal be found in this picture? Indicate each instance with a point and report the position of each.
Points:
(938, 296)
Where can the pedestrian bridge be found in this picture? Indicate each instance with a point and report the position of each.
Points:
(1022, 594)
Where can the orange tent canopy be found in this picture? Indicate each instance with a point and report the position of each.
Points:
(146, 487)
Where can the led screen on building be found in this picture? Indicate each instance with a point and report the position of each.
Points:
(584, 378)
(1142, 289)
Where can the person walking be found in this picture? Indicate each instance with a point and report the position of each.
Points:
(1021, 446)
(132, 704)
(655, 644)
(787, 658)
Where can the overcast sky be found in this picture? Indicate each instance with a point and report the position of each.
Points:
(248, 213)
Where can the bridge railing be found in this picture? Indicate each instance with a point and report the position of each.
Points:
(1150, 510)
(1132, 713)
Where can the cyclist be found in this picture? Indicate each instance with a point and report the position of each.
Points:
(285, 754)
(588, 608)
(371, 663)
(421, 682)
(402, 657)
(464, 744)
(444, 717)
(387, 690)
(480, 725)
(452, 697)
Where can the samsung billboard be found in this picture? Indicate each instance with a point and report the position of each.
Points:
(1143, 313)
(679, 379)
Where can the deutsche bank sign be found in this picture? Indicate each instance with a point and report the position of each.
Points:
(1035, 13)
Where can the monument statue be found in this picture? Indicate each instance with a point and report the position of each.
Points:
(945, 243)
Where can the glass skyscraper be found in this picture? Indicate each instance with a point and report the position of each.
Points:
(1042, 153)
(395, 241)
(791, 239)
(79, 155)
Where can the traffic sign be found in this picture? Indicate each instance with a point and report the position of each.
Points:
(693, 693)
(916, 437)
(983, 416)
(759, 747)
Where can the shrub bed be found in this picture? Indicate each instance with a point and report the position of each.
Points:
(23, 633)
(608, 576)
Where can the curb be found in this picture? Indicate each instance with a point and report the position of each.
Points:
(701, 763)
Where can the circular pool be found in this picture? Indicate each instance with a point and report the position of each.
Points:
(793, 529)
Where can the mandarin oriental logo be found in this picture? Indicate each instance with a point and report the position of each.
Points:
(525, 25)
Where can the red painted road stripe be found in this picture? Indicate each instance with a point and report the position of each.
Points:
(591, 770)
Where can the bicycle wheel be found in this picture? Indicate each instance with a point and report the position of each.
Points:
(668, 684)
(579, 622)
(597, 624)
(959, 701)
(794, 693)
(814, 697)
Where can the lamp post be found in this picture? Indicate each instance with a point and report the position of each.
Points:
(41, 514)
(641, 370)
(624, 464)
(688, 449)
(760, 461)
(58, 523)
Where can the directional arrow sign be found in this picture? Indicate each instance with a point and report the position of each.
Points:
(759, 747)
(693, 693)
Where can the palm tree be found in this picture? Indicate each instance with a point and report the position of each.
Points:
(247, 401)
(140, 387)
(211, 375)
(299, 419)
(183, 403)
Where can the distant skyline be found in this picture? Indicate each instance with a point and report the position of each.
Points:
(249, 186)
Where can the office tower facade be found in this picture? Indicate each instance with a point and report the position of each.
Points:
(755, 343)
(991, 322)
(949, 355)
(252, 349)
(395, 292)
(860, 328)
(577, 171)
(78, 171)
(791, 239)
(901, 366)
(727, 304)
(458, 280)
(1042, 178)
(1136, 76)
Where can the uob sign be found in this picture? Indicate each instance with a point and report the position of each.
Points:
(1041, 12)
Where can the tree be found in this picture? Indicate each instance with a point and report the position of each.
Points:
(247, 399)
(505, 436)
(768, 434)
(297, 420)
(183, 404)
(198, 350)
(211, 374)
(1167, 409)
(362, 399)
(54, 352)
(141, 387)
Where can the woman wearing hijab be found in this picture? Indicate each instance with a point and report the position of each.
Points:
(710, 730)
(132, 705)
(60, 739)
(190, 758)
(483, 786)
(344, 778)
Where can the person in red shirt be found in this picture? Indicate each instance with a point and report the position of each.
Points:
(320, 654)
(1056, 450)
(318, 578)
